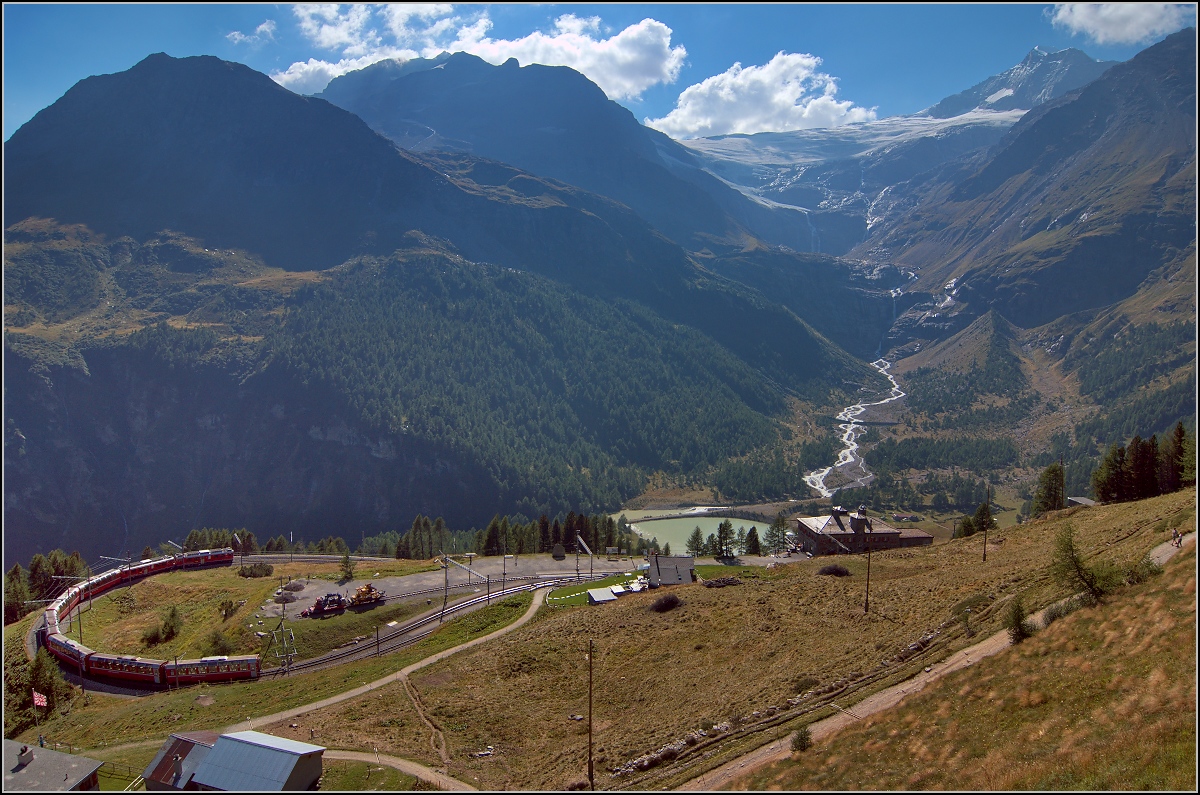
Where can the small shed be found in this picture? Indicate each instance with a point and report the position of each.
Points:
(257, 762)
(1084, 501)
(30, 768)
(671, 570)
(173, 766)
(600, 595)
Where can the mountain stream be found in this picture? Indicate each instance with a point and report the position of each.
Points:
(849, 463)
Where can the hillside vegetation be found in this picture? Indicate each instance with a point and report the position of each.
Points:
(744, 664)
(362, 396)
(1104, 699)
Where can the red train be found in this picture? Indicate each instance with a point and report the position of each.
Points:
(122, 666)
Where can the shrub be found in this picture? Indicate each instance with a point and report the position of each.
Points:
(806, 683)
(172, 624)
(835, 570)
(1064, 608)
(226, 609)
(1069, 568)
(219, 643)
(256, 570)
(803, 739)
(1017, 622)
(1143, 570)
(153, 635)
(664, 603)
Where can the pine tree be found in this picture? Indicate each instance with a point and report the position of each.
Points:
(695, 543)
(753, 545)
(41, 578)
(1141, 461)
(1170, 461)
(777, 533)
(1108, 479)
(16, 594)
(965, 528)
(724, 539)
(1049, 493)
(983, 518)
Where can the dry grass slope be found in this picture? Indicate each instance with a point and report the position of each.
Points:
(1103, 699)
(735, 657)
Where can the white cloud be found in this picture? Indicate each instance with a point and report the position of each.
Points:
(787, 93)
(624, 64)
(313, 75)
(1123, 23)
(263, 33)
(409, 22)
(329, 27)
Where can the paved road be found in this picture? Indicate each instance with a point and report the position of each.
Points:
(731, 774)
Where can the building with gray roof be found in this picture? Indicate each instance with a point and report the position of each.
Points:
(257, 762)
(175, 763)
(844, 533)
(32, 769)
(671, 570)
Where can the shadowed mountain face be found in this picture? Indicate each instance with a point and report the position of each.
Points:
(553, 121)
(344, 334)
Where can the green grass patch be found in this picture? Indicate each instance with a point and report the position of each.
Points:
(573, 595)
(116, 721)
(344, 775)
(712, 572)
(315, 636)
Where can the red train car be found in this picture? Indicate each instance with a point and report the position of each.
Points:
(208, 669)
(120, 666)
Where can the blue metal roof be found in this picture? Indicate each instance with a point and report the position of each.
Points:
(251, 761)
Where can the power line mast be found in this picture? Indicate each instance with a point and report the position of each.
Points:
(284, 644)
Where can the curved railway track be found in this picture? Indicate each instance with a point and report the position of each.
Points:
(396, 638)
(401, 636)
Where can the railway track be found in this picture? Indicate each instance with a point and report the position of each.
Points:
(401, 636)
(397, 638)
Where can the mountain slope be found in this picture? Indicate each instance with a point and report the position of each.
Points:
(853, 177)
(220, 153)
(226, 304)
(420, 383)
(1041, 77)
(554, 122)
(1082, 200)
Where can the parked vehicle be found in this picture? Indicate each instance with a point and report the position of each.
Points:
(326, 605)
(366, 595)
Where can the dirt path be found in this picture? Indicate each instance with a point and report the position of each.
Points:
(438, 742)
(438, 779)
(731, 773)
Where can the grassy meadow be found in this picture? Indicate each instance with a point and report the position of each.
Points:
(105, 721)
(117, 620)
(1103, 699)
(680, 692)
(739, 657)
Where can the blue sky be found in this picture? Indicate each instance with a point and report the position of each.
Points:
(688, 69)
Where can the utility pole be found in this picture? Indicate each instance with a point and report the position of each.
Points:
(988, 522)
(591, 770)
(446, 590)
(867, 599)
(1062, 486)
